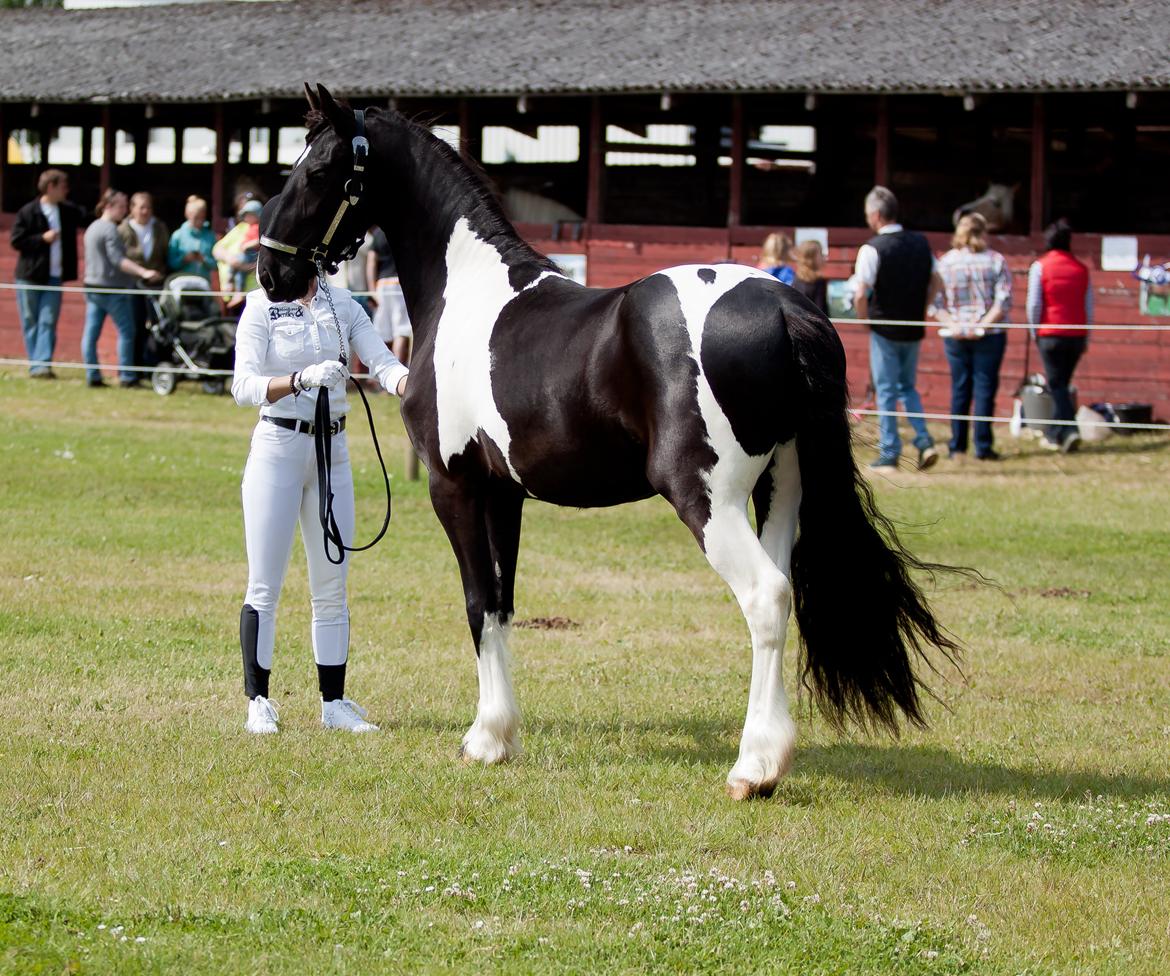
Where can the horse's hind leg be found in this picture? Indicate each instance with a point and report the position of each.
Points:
(763, 592)
(470, 513)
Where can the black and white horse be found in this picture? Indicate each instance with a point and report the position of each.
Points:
(708, 385)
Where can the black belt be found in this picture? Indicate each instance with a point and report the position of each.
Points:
(303, 426)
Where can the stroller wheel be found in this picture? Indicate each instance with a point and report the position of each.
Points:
(164, 379)
(215, 387)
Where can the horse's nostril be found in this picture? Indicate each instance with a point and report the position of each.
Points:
(265, 279)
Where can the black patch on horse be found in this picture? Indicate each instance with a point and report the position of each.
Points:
(746, 353)
(707, 276)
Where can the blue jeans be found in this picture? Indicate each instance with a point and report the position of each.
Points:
(974, 373)
(1060, 355)
(894, 366)
(39, 311)
(120, 309)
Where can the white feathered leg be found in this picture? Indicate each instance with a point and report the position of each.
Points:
(757, 572)
(494, 737)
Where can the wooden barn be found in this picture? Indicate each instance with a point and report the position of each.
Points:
(636, 136)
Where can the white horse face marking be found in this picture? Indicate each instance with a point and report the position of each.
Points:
(476, 292)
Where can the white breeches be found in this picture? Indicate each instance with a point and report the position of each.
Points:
(280, 489)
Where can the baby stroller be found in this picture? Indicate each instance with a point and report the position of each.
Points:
(189, 335)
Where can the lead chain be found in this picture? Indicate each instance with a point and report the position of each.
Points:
(323, 284)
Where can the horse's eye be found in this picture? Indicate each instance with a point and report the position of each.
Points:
(316, 177)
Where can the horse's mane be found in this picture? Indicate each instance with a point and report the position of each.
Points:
(490, 219)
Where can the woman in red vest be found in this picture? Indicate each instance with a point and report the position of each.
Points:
(1060, 304)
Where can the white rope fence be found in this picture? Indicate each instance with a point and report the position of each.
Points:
(143, 292)
(859, 412)
(856, 411)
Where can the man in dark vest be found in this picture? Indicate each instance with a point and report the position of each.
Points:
(44, 235)
(894, 281)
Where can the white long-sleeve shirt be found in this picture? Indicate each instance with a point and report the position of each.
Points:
(275, 339)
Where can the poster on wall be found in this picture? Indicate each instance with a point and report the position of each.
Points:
(818, 234)
(1119, 253)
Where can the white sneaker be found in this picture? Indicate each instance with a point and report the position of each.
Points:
(344, 713)
(262, 716)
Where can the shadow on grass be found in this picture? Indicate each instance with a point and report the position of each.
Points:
(934, 772)
(892, 769)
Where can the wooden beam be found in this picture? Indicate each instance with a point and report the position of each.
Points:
(735, 187)
(594, 210)
(1039, 145)
(464, 129)
(3, 155)
(108, 146)
(218, 167)
(881, 160)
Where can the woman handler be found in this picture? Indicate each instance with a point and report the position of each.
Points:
(287, 353)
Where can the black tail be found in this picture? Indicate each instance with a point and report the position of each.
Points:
(863, 620)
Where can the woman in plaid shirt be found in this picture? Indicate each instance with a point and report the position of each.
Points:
(977, 293)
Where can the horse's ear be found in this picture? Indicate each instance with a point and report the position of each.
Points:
(314, 105)
(341, 119)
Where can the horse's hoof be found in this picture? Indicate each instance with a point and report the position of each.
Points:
(482, 748)
(739, 789)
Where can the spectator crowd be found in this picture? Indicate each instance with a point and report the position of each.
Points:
(898, 286)
(126, 246)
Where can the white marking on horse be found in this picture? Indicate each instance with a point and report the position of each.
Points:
(761, 587)
(735, 471)
(494, 736)
(476, 292)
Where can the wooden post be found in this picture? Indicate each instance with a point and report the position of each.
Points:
(108, 148)
(594, 211)
(3, 155)
(1039, 145)
(464, 133)
(735, 187)
(411, 457)
(217, 169)
(881, 161)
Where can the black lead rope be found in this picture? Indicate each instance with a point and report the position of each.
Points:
(323, 445)
(323, 442)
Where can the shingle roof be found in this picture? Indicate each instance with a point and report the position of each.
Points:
(232, 51)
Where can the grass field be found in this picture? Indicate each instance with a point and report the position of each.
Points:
(1027, 832)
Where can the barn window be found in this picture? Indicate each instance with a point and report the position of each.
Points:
(65, 146)
(448, 133)
(258, 145)
(653, 145)
(198, 145)
(543, 144)
(24, 146)
(160, 145)
(290, 143)
(124, 150)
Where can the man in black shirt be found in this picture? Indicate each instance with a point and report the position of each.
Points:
(44, 234)
(895, 280)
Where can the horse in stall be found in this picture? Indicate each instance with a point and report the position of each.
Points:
(996, 206)
(708, 385)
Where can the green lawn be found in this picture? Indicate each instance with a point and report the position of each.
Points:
(1028, 831)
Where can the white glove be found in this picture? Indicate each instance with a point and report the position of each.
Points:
(327, 374)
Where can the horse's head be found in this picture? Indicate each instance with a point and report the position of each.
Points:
(997, 206)
(323, 211)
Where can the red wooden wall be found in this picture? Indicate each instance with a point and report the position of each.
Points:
(1119, 367)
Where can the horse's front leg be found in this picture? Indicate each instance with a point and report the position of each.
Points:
(465, 508)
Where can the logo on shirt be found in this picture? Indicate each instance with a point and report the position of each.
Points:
(285, 312)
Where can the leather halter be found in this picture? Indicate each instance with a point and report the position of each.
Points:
(318, 256)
